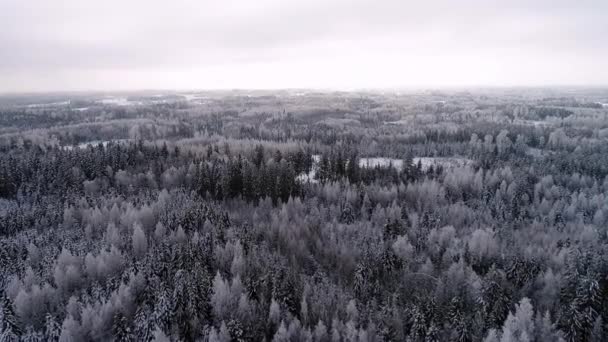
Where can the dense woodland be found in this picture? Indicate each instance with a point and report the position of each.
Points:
(257, 216)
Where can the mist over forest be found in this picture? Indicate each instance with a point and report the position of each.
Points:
(301, 215)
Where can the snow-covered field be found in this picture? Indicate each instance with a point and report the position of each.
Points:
(95, 143)
(158, 99)
(339, 122)
(52, 104)
(193, 97)
(538, 152)
(425, 163)
(398, 122)
(380, 161)
(445, 162)
(308, 177)
(189, 97)
(117, 101)
(311, 175)
(124, 101)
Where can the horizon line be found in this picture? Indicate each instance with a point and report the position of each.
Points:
(315, 89)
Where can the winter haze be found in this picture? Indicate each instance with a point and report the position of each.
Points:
(120, 45)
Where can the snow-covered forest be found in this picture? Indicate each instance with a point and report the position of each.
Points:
(305, 216)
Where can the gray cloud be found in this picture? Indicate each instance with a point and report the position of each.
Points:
(177, 43)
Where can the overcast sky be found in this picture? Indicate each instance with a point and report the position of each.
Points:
(48, 45)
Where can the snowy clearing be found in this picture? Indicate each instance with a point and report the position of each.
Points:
(381, 162)
(425, 162)
(397, 123)
(117, 101)
(310, 177)
(538, 152)
(372, 162)
(95, 143)
(52, 104)
(534, 123)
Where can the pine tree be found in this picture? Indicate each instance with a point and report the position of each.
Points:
(494, 300)
(347, 216)
(324, 173)
(283, 291)
(386, 329)
(545, 329)
(352, 169)
(580, 296)
(32, 335)
(598, 331)
(143, 324)
(519, 326)
(52, 329)
(9, 325)
(121, 329)
(418, 329)
(258, 158)
(163, 311)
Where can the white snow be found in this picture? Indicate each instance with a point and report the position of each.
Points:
(538, 152)
(95, 143)
(398, 122)
(445, 162)
(6, 205)
(52, 104)
(155, 99)
(425, 163)
(118, 101)
(380, 161)
(310, 176)
(532, 123)
(193, 97)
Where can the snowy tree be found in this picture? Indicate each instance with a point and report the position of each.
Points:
(545, 329)
(492, 336)
(143, 324)
(10, 329)
(70, 330)
(403, 248)
(519, 327)
(282, 335)
(351, 311)
(68, 271)
(222, 336)
(159, 232)
(52, 330)
(274, 314)
(304, 310)
(598, 332)
(139, 241)
(225, 296)
(320, 333)
(121, 329)
(33, 254)
(160, 336)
